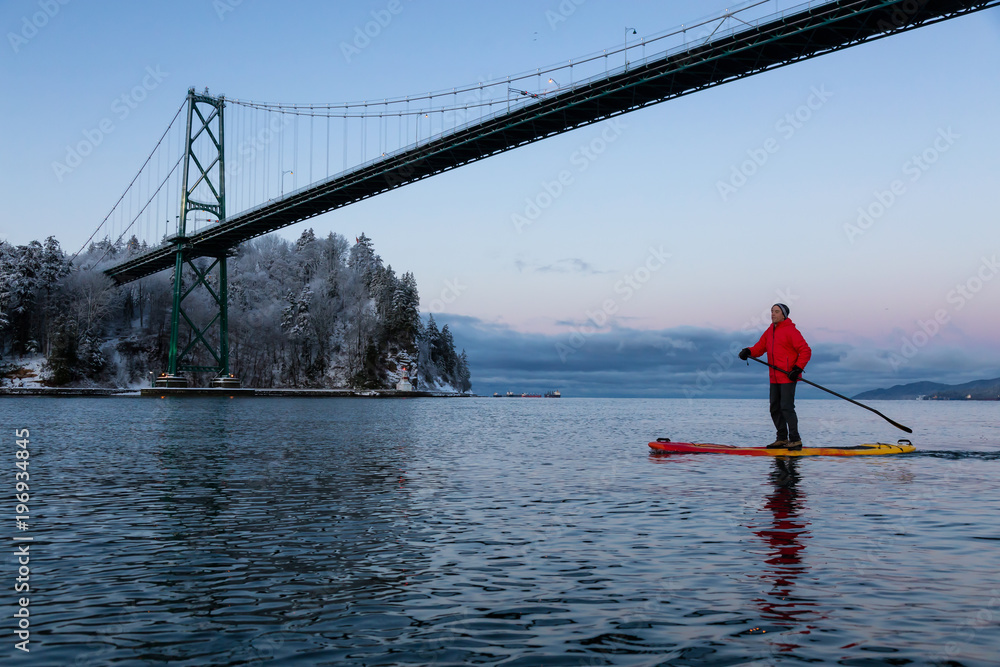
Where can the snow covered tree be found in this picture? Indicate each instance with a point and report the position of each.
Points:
(463, 377)
(405, 315)
(363, 260)
(7, 279)
(308, 255)
(53, 263)
(383, 288)
(20, 281)
(446, 349)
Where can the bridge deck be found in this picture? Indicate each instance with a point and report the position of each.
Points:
(815, 31)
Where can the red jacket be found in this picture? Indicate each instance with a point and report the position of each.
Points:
(785, 348)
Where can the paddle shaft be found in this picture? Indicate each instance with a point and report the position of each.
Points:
(851, 400)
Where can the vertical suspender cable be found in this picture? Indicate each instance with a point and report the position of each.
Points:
(144, 226)
(143, 175)
(156, 212)
(267, 155)
(244, 157)
(238, 187)
(232, 164)
(241, 170)
(253, 164)
(245, 170)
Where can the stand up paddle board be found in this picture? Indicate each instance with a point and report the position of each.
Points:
(874, 449)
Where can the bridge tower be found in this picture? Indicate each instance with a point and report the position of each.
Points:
(205, 150)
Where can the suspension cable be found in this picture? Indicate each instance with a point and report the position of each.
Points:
(130, 184)
(137, 215)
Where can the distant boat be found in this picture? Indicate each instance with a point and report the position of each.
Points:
(552, 394)
(531, 395)
(511, 394)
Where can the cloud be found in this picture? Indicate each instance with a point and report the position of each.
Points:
(684, 362)
(571, 265)
(567, 265)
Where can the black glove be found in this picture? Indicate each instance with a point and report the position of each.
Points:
(794, 374)
(745, 354)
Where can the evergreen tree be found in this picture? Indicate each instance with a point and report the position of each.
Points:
(335, 251)
(7, 278)
(308, 255)
(428, 367)
(363, 260)
(132, 246)
(383, 288)
(405, 316)
(53, 265)
(62, 360)
(431, 332)
(462, 374)
(21, 283)
(448, 359)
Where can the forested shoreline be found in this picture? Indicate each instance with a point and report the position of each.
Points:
(314, 313)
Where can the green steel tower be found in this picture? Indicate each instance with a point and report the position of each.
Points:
(205, 150)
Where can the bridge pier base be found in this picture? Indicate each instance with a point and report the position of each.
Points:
(171, 381)
(227, 382)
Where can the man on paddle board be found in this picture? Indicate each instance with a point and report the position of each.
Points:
(787, 350)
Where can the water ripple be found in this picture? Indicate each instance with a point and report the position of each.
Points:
(297, 531)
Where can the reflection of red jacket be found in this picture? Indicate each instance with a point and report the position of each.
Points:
(785, 348)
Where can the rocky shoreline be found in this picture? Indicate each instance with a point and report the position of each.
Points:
(157, 392)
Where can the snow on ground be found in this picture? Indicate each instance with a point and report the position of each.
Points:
(440, 386)
(23, 372)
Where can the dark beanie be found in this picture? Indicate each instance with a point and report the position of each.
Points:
(784, 308)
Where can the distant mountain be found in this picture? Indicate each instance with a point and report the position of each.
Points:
(981, 390)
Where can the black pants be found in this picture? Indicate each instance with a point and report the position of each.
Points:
(783, 411)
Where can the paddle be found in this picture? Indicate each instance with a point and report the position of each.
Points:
(802, 379)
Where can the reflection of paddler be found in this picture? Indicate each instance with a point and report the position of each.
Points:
(784, 536)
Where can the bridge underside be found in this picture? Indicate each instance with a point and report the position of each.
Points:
(819, 30)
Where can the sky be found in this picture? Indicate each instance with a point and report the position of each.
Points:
(870, 207)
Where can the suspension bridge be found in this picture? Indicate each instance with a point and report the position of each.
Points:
(223, 154)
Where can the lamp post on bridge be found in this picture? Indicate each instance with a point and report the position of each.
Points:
(626, 45)
(283, 180)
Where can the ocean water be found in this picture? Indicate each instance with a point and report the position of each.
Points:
(499, 532)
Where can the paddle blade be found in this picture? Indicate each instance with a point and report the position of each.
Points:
(900, 426)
